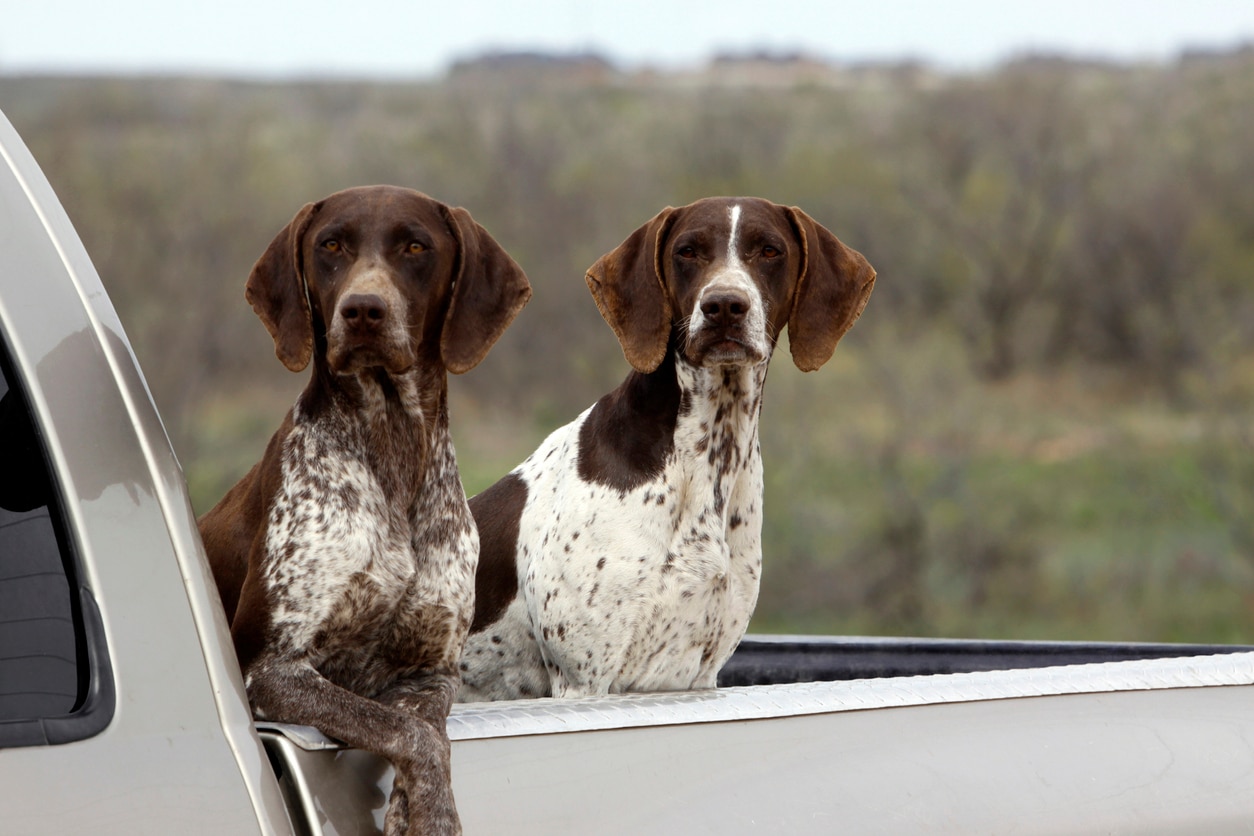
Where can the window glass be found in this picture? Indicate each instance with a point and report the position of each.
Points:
(43, 671)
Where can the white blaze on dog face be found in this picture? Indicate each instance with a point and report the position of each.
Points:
(727, 321)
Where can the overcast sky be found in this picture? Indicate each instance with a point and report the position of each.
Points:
(407, 38)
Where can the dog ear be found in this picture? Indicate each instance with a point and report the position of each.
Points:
(833, 289)
(276, 290)
(627, 285)
(489, 289)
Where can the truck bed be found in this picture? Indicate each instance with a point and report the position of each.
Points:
(774, 660)
(831, 734)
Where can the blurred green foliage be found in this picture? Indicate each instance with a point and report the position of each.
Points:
(1039, 429)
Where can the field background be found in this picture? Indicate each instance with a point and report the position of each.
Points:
(1040, 428)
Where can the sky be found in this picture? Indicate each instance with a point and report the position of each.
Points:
(418, 38)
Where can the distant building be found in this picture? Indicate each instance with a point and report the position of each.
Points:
(513, 67)
(1240, 54)
(762, 68)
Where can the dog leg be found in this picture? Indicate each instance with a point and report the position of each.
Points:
(426, 792)
(406, 727)
(396, 820)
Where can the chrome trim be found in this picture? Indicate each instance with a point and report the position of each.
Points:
(474, 721)
(516, 718)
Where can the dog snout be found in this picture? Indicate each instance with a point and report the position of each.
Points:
(364, 311)
(725, 306)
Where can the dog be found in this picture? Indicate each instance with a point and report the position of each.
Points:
(625, 553)
(345, 558)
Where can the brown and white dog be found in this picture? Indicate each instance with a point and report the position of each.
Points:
(345, 559)
(625, 553)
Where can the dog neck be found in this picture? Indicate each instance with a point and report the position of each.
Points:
(705, 419)
(716, 432)
(397, 424)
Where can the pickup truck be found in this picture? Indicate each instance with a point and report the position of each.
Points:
(122, 709)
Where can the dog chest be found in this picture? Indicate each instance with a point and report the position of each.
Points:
(650, 588)
(340, 559)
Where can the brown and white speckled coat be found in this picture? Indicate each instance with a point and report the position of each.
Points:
(345, 559)
(625, 553)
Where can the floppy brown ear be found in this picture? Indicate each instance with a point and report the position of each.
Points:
(626, 284)
(276, 290)
(489, 289)
(833, 289)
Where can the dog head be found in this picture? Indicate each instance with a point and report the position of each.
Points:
(727, 275)
(385, 277)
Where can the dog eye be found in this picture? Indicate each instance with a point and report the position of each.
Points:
(416, 247)
(770, 252)
(688, 252)
(331, 245)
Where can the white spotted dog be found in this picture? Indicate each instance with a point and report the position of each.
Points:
(625, 553)
(345, 559)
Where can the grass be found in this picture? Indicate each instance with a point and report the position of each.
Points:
(1047, 507)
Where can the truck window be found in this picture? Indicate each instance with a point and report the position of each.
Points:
(45, 667)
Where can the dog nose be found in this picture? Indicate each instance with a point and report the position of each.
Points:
(725, 306)
(364, 311)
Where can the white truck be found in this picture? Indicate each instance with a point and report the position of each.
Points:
(122, 710)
